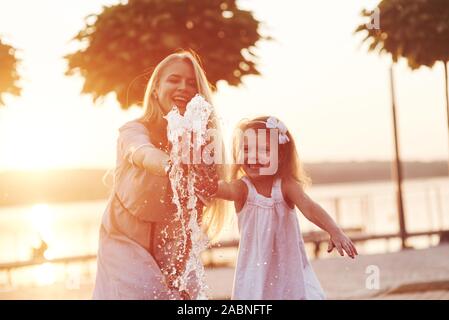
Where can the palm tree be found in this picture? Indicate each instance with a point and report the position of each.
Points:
(122, 44)
(8, 71)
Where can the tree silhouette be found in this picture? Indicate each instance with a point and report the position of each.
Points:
(416, 30)
(375, 36)
(8, 71)
(123, 43)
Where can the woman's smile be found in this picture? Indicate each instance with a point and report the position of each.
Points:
(181, 100)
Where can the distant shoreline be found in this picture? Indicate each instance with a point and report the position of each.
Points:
(27, 187)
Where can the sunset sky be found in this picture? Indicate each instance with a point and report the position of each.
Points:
(331, 93)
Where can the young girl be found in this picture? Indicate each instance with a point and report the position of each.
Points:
(272, 262)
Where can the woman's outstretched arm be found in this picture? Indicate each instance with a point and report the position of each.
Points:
(136, 147)
(152, 159)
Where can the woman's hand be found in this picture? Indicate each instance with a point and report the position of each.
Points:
(342, 243)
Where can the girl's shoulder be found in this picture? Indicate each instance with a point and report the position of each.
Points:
(241, 190)
(240, 185)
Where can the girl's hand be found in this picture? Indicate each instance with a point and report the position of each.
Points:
(343, 244)
(206, 184)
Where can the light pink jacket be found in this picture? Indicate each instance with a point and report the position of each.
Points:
(138, 235)
(141, 202)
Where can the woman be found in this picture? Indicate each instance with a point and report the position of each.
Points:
(139, 237)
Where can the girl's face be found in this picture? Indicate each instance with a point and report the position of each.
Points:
(258, 155)
(177, 86)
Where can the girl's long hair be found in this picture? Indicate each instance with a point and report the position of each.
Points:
(215, 214)
(289, 164)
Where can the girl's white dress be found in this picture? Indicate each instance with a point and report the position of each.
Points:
(272, 263)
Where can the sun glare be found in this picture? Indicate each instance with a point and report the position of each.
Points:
(45, 274)
(41, 220)
(37, 147)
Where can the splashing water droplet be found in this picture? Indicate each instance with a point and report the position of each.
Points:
(182, 178)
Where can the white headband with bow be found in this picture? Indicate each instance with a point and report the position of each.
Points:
(273, 123)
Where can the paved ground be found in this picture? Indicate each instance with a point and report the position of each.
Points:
(396, 270)
(409, 274)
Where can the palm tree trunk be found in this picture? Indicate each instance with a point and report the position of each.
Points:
(447, 98)
(397, 169)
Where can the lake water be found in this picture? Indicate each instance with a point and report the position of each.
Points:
(71, 229)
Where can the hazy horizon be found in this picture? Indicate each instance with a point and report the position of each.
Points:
(87, 168)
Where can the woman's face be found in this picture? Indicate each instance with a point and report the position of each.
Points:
(177, 85)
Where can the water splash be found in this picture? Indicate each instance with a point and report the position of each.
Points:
(188, 133)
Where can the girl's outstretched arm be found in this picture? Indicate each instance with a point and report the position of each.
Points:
(232, 191)
(317, 215)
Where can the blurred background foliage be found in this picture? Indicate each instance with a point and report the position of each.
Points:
(121, 45)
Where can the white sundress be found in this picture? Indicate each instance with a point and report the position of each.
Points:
(272, 263)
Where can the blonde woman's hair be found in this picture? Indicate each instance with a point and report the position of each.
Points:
(215, 214)
(152, 110)
(290, 166)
